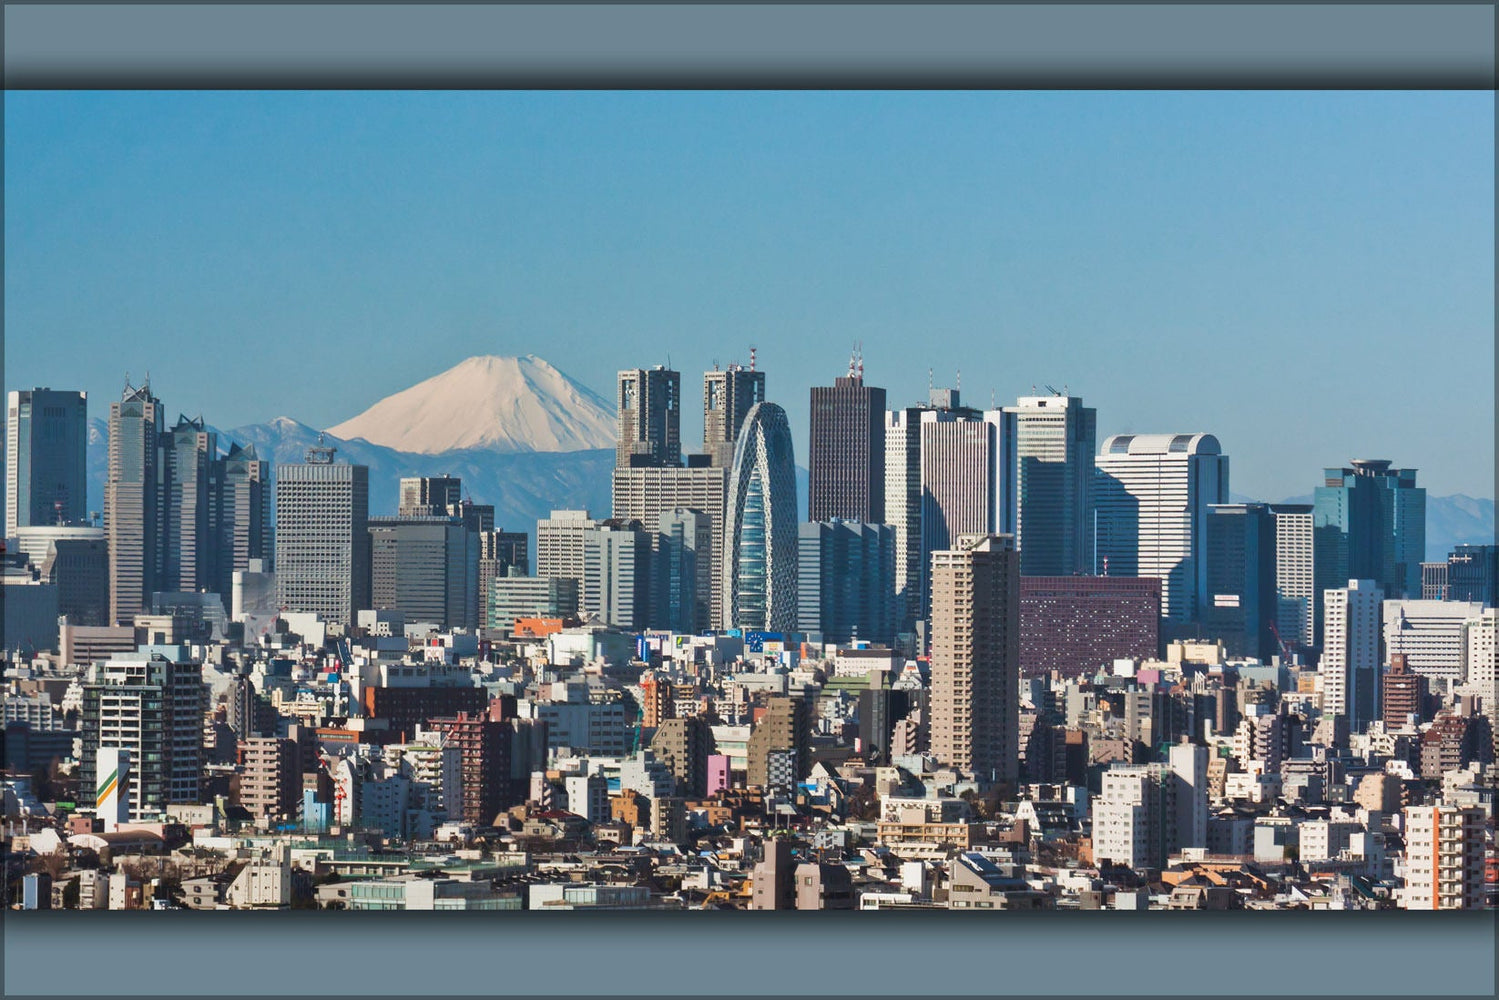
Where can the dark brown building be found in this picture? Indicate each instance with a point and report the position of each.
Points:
(1402, 694)
(1077, 624)
(404, 708)
(846, 459)
(483, 740)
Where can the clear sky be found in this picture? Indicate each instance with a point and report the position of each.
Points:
(1309, 276)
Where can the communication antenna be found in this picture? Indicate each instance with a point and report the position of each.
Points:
(853, 361)
(320, 453)
(928, 380)
(959, 385)
(752, 357)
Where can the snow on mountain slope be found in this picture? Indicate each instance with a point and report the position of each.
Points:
(494, 403)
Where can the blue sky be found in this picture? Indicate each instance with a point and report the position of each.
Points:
(1310, 276)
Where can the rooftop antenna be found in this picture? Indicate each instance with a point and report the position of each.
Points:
(320, 453)
(752, 357)
(959, 385)
(928, 380)
(861, 360)
(853, 361)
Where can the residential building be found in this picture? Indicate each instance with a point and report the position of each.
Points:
(1296, 598)
(1056, 437)
(684, 746)
(1351, 655)
(1402, 695)
(1075, 625)
(483, 740)
(975, 661)
(46, 440)
(1154, 491)
(271, 786)
(846, 580)
(152, 706)
(785, 727)
(759, 570)
(322, 537)
(1443, 858)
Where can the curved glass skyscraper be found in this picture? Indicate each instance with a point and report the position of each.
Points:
(758, 579)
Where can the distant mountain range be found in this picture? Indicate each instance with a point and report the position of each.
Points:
(528, 439)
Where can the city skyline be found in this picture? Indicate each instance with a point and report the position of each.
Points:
(1168, 257)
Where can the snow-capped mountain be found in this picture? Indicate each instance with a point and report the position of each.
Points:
(494, 403)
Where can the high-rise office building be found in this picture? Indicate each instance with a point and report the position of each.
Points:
(1056, 437)
(1240, 569)
(1295, 576)
(1434, 581)
(758, 574)
(152, 706)
(644, 495)
(559, 544)
(500, 552)
(132, 501)
(1370, 523)
(1473, 574)
(728, 396)
(682, 570)
(616, 573)
(76, 560)
(187, 543)
(1351, 656)
(975, 665)
(967, 479)
(650, 418)
(241, 515)
(322, 537)
(425, 567)
(1153, 494)
(846, 580)
(429, 496)
(514, 597)
(904, 496)
(846, 453)
(46, 442)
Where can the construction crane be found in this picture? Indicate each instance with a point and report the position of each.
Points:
(1285, 647)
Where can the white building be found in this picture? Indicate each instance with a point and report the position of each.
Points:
(1153, 493)
(559, 543)
(1055, 437)
(1295, 573)
(1443, 858)
(1351, 657)
(1430, 636)
(322, 537)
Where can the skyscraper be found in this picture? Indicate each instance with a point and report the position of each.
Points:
(559, 544)
(46, 444)
(846, 454)
(616, 573)
(322, 537)
(1055, 440)
(429, 496)
(728, 396)
(1076, 625)
(650, 418)
(426, 567)
(846, 580)
(241, 515)
(975, 666)
(1351, 656)
(1370, 523)
(132, 501)
(682, 568)
(903, 496)
(187, 542)
(500, 552)
(1473, 574)
(644, 495)
(1153, 495)
(1295, 576)
(760, 534)
(1240, 570)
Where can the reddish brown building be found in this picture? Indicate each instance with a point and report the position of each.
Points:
(1077, 624)
(404, 708)
(483, 739)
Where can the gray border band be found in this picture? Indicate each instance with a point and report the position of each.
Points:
(748, 45)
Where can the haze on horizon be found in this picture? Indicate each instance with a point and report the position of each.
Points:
(1309, 277)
